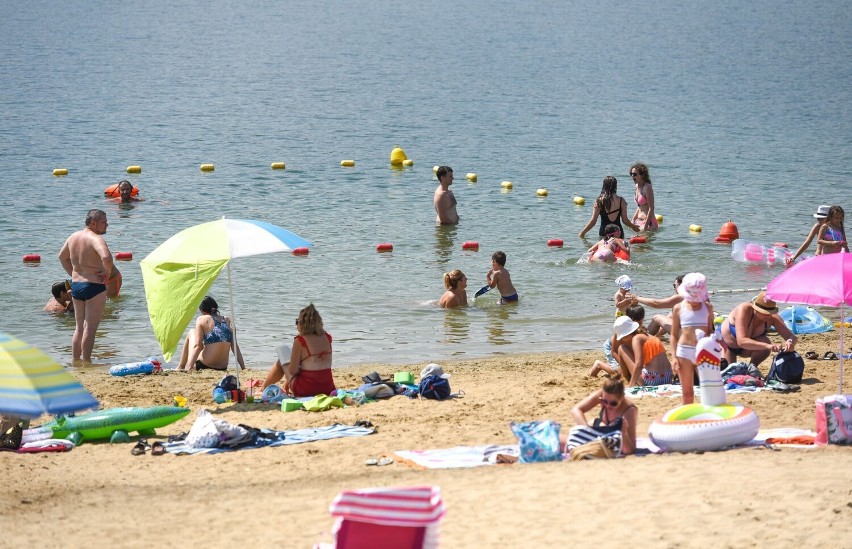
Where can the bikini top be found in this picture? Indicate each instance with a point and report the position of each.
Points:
(693, 319)
(221, 333)
(833, 234)
(614, 425)
(321, 354)
(640, 198)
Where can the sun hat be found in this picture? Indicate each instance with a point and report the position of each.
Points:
(624, 282)
(624, 326)
(693, 288)
(763, 304)
(434, 370)
(822, 211)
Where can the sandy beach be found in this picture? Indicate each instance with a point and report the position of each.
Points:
(99, 493)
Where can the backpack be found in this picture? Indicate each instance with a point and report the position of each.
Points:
(434, 387)
(787, 367)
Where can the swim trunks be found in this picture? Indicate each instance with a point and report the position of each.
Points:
(85, 291)
(508, 298)
(655, 378)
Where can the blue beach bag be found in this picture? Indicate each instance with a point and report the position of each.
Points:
(538, 441)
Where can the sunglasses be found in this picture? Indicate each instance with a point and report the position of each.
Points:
(609, 402)
(634, 174)
(297, 322)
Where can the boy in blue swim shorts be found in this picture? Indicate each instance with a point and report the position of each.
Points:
(499, 277)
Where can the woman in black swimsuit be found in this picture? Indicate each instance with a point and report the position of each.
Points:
(609, 208)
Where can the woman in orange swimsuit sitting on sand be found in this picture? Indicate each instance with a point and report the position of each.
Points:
(308, 372)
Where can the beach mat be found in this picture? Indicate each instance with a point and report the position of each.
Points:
(279, 438)
(787, 437)
(675, 390)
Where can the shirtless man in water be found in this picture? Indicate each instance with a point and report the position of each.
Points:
(445, 200)
(85, 256)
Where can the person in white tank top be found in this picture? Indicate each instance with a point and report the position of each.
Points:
(692, 319)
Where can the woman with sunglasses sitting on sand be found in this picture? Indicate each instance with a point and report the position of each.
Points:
(308, 371)
(615, 424)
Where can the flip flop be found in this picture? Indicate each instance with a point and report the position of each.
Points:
(140, 448)
(481, 291)
(157, 449)
(829, 356)
(810, 355)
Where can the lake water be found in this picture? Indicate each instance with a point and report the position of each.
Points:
(741, 110)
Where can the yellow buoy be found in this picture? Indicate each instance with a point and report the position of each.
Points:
(207, 167)
(471, 177)
(397, 156)
(695, 228)
(659, 218)
(278, 166)
(506, 184)
(435, 169)
(579, 200)
(347, 163)
(60, 171)
(408, 162)
(134, 169)
(541, 192)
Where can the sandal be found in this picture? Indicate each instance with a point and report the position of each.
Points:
(157, 449)
(810, 355)
(140, 448)
(829, 355)
(178, 437)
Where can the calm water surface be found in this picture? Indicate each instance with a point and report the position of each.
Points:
(741, 111)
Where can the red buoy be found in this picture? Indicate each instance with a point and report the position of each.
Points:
(555, 242)
(32, 258)
(722, 240)
(730, 230)
(384, 247)
(780, 244)
(124, 256)
(300, 251)
(470, 245)
(638, 240)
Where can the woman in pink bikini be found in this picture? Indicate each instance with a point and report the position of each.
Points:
(308, 371)
(644, 217)
(692, 319)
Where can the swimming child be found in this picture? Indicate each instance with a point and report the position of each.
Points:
(611, 247)
(498, 276)
(61, 301)
(456, 295)
(692, 319)
(832, 235)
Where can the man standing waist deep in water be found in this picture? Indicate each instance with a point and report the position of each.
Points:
(85, 256)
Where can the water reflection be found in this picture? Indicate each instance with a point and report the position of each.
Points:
(456, 326)
(498, 317)
(444, 237)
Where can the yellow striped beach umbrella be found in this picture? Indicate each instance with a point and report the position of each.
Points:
(33, 384)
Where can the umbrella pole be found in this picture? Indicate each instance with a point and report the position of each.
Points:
(234, 320)
(840, 392)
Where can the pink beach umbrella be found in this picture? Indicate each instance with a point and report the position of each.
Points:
(822, 280)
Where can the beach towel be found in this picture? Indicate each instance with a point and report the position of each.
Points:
(672, 390)
(456, 458)
(786, 436)
(271, 438)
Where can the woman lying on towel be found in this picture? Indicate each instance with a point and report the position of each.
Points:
(615, 425)
(308, 371)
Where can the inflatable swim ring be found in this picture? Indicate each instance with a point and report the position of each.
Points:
(804, 320)
(112, 191)
(713, 424)
(135, 368)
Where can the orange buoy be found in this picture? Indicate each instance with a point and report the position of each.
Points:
(555, 243)
(780, 244)
(722, 240)
(32, 258)
(124, 256)
(638, 240)
(384, 247)
(112, 191)
(300, 251)
(470, 245)
(730, 230)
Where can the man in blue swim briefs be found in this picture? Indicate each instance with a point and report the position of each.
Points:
(85, 256)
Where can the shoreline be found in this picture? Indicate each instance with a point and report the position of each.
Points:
(739, 496)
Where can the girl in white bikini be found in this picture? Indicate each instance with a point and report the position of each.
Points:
(692, 319)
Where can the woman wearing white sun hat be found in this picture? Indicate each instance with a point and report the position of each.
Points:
(821, 215)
